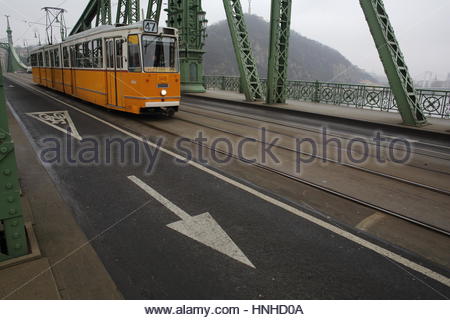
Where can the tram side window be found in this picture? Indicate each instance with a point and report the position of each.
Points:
(79, 60)
(57, 59)
(109, 53)
(47, 60)
(87, 54)
(119, 53)
(40, 59)
(34, 60)
(73, 57)
(66, 59)
(97, 53)
(134, 54)
(52, 58)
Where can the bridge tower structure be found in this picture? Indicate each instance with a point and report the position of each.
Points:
(190, 19)
(13, 63)
(280, 30)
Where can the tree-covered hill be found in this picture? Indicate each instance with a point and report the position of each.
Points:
(308, 59)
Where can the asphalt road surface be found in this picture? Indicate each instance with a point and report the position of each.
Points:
(185, 231)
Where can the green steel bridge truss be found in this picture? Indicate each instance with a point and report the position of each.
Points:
(250, 81)
(393, 61)
(128, 12)
(13, 62)
(100, 10)
(154, 10)
(280, 30)
(13, 240)
(189, 18)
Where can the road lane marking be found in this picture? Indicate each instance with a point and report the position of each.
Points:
(202, 228)
(370, 221)
(325, 225)
(60, 120)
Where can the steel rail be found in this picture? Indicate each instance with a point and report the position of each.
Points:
(373, 172)
(340, 135)
(306, 182)
(331, 135)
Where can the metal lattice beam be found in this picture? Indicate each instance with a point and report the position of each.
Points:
(154, 10)
(128, 11)
(100, 10)
(280, 24)
(189, 18)
(251, 83)
(14, 240)
(394, 62)
(103, 13)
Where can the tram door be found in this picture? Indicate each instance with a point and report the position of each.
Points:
(51, 71)
(114, 64)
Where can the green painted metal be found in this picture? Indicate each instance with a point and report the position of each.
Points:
(13, 240)
(154, 10)
(280, 30)
(434, 103)
(394, 62)
(128, 12)
(250, 81)
(13, 63)
(103, 13)
(189, 18)
(100, 10)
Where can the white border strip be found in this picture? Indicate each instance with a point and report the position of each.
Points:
(345, 234)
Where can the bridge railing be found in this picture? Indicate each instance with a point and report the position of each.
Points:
(435, 103)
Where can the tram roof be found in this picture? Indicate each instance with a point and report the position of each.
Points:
(103, 29)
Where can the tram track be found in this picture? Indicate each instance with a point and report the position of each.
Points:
(339, 149)
(423, 152)
(373, 172)
(303, 181)
(297, 179)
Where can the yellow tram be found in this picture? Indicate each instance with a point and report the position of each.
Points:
(124, 68)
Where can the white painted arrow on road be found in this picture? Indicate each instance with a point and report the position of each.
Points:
(202, 228)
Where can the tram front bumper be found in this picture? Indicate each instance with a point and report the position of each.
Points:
(161, 104)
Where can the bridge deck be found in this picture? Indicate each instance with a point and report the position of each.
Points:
(234, 230)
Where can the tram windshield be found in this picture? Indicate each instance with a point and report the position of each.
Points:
(159, 53)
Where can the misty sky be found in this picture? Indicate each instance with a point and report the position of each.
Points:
(422, 27)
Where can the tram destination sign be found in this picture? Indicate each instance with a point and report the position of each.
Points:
(150, 26)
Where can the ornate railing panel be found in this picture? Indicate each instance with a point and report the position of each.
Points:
(434, 103)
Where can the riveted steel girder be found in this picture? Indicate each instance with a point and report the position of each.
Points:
(100, 10)
(13, 241)
(128, 11)
(280, 24)
(154, 10)
(394, 62)
(251, 83)
(189, 18)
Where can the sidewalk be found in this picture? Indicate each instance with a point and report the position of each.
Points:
(68, 268)
(441, 126)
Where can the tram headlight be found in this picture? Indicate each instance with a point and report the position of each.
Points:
(164, 93)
